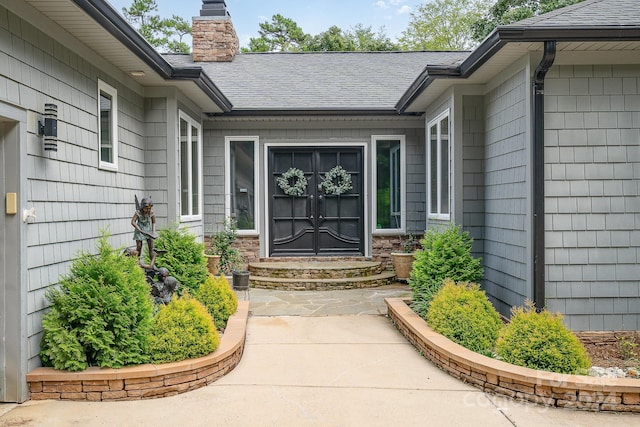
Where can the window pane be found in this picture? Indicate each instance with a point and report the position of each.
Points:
(444, 153)
(388, 184)
(195, 173)
(242, 184)
(433, 167)
(184, 167)
(106, 119)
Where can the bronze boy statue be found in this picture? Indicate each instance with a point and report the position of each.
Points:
(144, 224)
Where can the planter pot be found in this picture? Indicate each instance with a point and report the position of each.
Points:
(213, 264)
(402, 264)
(240, 280)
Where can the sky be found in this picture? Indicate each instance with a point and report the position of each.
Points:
(313, 16)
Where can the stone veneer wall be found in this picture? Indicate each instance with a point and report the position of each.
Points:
(214, 39)
(494, 376)
(384, 245)
(145, 381)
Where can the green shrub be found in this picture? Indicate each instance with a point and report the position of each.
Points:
(100, 315)
(219, 299)
(182, 329)
(184, 259)
(462, 313)
(221, 243)
(540, 341)
(445, 254)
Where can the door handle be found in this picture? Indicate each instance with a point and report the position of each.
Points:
(310, 206)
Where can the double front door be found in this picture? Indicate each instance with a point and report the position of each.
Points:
(316, 202)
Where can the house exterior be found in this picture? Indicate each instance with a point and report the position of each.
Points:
(531, 142)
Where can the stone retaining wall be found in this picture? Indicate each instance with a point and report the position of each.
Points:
(145, 381)
(494, 376)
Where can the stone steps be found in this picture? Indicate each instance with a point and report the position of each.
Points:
(313, 274)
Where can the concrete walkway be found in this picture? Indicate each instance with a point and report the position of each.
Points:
(309, 363)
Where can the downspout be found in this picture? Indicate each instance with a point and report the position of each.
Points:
(538, 173)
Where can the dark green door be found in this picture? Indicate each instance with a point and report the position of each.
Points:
(316, 219)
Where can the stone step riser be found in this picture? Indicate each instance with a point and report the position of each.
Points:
(317, 286)
(304, 269)
(314, 273)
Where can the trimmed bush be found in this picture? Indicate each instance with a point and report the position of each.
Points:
(184, 259)
(444, 255)
(541, 341)
(219, 299)
(183, 329)
(462, 313)
(101, 314)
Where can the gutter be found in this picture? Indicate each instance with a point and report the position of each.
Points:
(108, 18)
(314, 112)
(538, 201)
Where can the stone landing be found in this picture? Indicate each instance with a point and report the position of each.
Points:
(305, 274)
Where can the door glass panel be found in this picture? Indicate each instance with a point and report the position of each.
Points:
(388, 184)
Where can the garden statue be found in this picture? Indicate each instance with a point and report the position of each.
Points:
(144, 224)
(163, 289)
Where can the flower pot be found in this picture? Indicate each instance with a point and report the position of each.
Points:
(240, 280)
(213, 264)
(402, 264)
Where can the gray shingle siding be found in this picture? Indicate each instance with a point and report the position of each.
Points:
(73, 199)
(591, 152)
(503, 195)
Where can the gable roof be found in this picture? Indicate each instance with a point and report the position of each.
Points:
(317, 82)
(608, 24)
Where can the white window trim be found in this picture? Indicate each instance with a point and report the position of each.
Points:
(403, 184)
(436, 122)
(196, 124)
(111, 91)
(228, 140)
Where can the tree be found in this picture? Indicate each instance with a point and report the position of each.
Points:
(162, 34)
(507, 11)
(443, 25)
(280, 35)
(284, 35)
(359, 38)
(368, 41)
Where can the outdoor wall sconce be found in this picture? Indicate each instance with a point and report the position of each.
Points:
(49, 129)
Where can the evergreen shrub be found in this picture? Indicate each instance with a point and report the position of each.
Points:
(444, 255)
(184, 259)
(182, 329)
(541, 341)
(101, 313)
(216, 294)
(462, 313)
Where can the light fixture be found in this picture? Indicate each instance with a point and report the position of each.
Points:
(137, 73)
(49, 129)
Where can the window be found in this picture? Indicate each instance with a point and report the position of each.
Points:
(241, 182)
(389, 182)
(438, 167)
(190, 168)
(108, 126)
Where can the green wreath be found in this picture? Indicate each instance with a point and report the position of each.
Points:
(337, 181)
(299, 186)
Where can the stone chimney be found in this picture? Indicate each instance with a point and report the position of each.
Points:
(214, 38)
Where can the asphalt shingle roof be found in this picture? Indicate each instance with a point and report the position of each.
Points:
(318, 81)
(588, 13)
